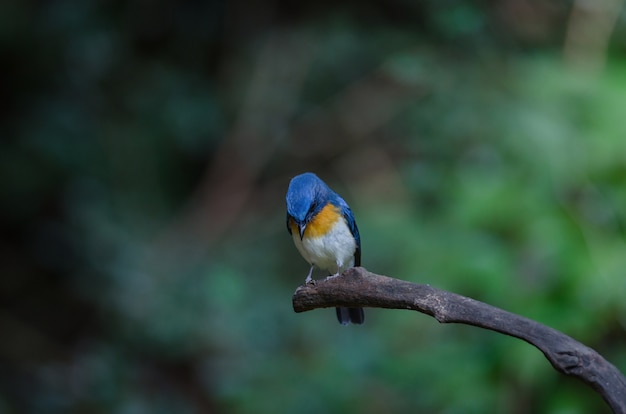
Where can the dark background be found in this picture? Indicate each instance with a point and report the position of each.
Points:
(146, 148)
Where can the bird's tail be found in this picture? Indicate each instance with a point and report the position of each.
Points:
(345, 316)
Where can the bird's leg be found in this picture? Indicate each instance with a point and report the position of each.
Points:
(338, 272)
(308, 277)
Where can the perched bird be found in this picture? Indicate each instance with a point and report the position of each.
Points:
(324, 231)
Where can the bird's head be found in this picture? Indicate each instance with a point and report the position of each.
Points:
(306, 196)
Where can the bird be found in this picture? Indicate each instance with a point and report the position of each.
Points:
(324, 231)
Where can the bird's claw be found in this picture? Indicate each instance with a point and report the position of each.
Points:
(333, 276)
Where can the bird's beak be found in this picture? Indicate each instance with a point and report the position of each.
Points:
(301, 228)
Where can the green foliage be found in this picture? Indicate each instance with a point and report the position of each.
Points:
(146, 266)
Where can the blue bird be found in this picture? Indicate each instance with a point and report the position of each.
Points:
(324, 232)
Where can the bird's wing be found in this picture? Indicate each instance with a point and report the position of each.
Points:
(347, 214)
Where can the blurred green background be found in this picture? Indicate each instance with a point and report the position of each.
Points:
(145, 154)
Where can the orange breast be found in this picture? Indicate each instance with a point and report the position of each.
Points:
(323, 221)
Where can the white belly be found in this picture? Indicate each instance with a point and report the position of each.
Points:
(333, 252)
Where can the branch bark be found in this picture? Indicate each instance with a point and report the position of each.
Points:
(358, 287)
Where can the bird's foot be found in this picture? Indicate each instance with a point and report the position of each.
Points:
(309, 279)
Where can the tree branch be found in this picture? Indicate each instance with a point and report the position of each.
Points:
(358, 287)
